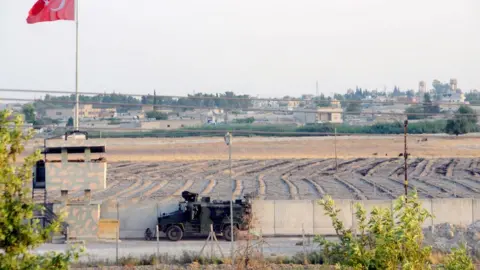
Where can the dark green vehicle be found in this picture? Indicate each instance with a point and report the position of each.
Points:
(194, 217)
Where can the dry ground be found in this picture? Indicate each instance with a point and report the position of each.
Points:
(360, 178)
(161, 149)
(369, 167)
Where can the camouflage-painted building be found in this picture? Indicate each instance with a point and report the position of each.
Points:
(73, 168)
(70, 171)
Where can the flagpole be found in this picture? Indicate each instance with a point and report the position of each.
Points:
(76, 122)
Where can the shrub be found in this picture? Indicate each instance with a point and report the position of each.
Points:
(19, 231)
(458, 260)
(381, 243)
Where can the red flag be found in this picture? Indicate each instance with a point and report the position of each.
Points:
(52, 10)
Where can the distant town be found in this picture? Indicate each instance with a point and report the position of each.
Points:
(357, 107)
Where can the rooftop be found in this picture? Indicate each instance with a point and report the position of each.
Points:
(74, 149)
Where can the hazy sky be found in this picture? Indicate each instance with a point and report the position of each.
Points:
(257, 47)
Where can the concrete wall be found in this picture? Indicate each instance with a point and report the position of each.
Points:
(282, 217)
(305, 117)
(135, 217)
(291, 216)
(82, 219)
(134, 221)
(457, 211)
(264, 216)
(75, 176)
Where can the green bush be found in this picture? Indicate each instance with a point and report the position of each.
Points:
(248, 120)
(458, 260)
(380, 243)
(157, 115)
(20, 233)
(388, 239)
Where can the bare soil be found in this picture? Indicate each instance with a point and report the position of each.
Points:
(368, 167)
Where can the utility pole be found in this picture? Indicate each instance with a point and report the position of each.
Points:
(228, 141)
(154, 100)
(405, 156)
(335, 143)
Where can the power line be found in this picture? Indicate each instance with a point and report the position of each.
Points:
(212, 108)
(225, 97)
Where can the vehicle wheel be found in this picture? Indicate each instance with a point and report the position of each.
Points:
(227, 233)
(174, 233)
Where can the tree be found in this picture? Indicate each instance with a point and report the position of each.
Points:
(339, 97)
(457, 126)
(415, 112)
(157, 115)
(428, 106)
(464, 121)
(427, 99)
(37, 124)
(410, 93)
(397, 92)
(29, 112)
(70, 122)
(468, 113)
(248, 120)
(440, 88)
(322, 101)
(154, 100)
(19, 232)
(354, 107)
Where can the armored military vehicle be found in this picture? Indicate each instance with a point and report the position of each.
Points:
(195, 216)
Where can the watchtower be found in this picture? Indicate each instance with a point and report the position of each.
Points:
(70, 166)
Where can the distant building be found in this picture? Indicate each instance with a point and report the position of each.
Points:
(289, 104)
(132, 114)
(388, 118)
(84, 111)
(405, 99)
(453, 99)
(148, 108)
(329, 115)
(307, 97)
(16, 107)
(453, 85)
(163, 124)
(59, 113)
(265, 104)
(212, 116)
(332, 114)
(422, 87)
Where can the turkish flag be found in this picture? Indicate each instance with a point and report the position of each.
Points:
(52, 10)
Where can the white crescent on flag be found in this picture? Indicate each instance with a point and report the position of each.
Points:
(60, 7)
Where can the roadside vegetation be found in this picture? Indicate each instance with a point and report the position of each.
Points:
(19, 231)
(386, 239)
(248, 130)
